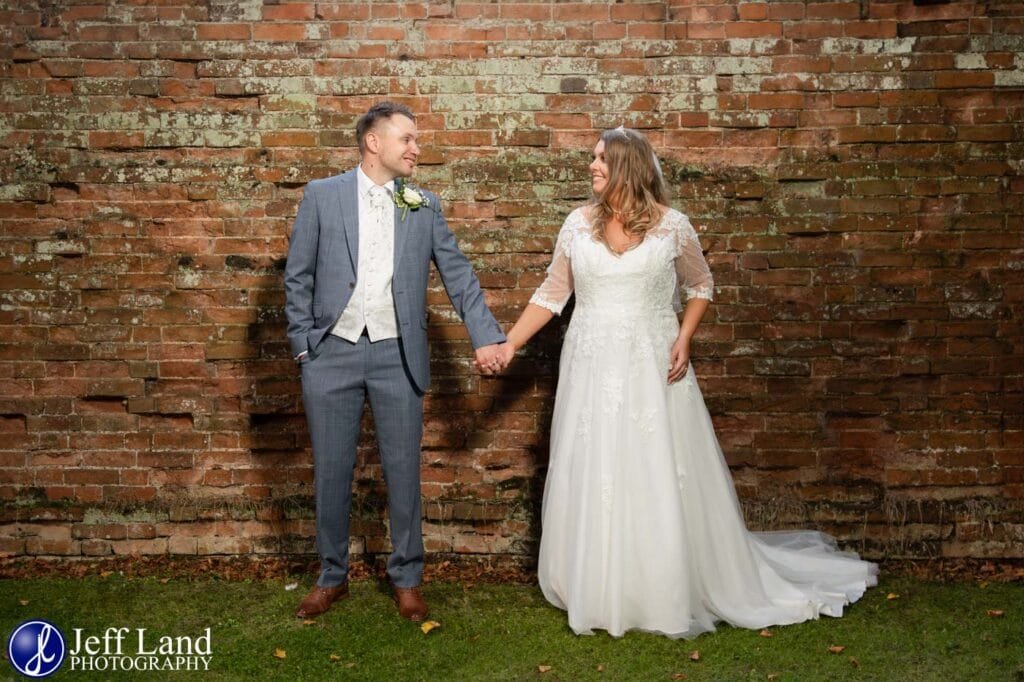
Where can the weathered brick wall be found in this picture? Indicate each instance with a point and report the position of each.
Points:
(855, 168)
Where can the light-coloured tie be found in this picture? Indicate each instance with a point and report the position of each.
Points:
(379, 204)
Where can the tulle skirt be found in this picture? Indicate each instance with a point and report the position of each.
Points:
(641, 526)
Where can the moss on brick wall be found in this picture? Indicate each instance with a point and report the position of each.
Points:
(854, 169)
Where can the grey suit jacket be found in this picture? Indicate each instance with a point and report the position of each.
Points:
(321, 272)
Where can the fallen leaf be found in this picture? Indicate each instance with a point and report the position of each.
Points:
(695, 655)
(350, 664)
(104, 574)
(164, 581)
(290, 586)
(854, 662)
(279, 653)
(309, 622)
(679, 676)
(891, 596)
(983, 584)
(772, 677)
(23, 602)
(994, 613)
(543, 668)
(766, 633)
(429, 625)
(335, 658)
(837, 649)
(600, 668)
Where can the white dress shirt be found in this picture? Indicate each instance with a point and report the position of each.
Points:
(372, 306)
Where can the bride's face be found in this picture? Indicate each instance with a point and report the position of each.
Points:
(598, 169)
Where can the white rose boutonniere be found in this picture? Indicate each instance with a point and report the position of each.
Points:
(407, 196)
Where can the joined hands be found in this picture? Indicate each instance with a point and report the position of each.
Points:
(493, 359)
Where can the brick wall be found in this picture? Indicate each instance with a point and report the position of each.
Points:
(855, 169)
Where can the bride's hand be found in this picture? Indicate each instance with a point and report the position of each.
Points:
(506, 352)
(679, 359)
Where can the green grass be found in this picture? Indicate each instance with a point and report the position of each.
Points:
(931, 631)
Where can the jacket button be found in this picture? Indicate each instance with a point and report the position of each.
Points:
(351, 285)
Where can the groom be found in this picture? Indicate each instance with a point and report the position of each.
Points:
(355, 285)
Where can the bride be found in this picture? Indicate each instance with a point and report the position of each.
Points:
(641, 527)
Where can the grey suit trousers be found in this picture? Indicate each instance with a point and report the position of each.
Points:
(335, 384)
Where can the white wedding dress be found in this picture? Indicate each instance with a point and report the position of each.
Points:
(641, 526)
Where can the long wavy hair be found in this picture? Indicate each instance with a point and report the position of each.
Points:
(635, 191)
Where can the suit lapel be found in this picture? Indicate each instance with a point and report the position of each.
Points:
(401, 232)
(349, 204)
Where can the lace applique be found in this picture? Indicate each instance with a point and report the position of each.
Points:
(644, 421)
(699, 292)
(583, 425)
(642, 351)
(612, 387)
(557, 287)
(689, 382)
(607, 492)
(538, 298)
(692, 272)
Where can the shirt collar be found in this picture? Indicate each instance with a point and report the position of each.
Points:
(365, 183)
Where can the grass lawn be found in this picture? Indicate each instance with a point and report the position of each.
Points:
(926, 631)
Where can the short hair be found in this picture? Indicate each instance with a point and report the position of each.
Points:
(379, 111)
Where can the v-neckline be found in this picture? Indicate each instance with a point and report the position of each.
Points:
(607, 247)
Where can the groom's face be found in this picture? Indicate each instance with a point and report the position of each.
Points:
(394, 142)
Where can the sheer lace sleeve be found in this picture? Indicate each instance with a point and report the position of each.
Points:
(692, 271)
(554, 291)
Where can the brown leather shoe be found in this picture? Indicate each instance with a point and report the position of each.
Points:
(411, 604)
(320, 599)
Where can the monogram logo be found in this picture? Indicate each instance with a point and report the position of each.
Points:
(36, 648)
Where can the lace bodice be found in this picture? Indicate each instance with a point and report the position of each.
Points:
(658, 273)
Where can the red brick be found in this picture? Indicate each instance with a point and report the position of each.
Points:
(108, 33)
(961, 79)
(223, 31)
(641, 11)
(809, 30)
(862, 342)
(525, 11)
(833, 10)
(278, 32)
(454, 31)
(385, 33)
(575, 11)
(753, 29)
(753, 11)
(870, 29)
(786, 10)
(706, 31)
(297, 11)
(342, 11)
